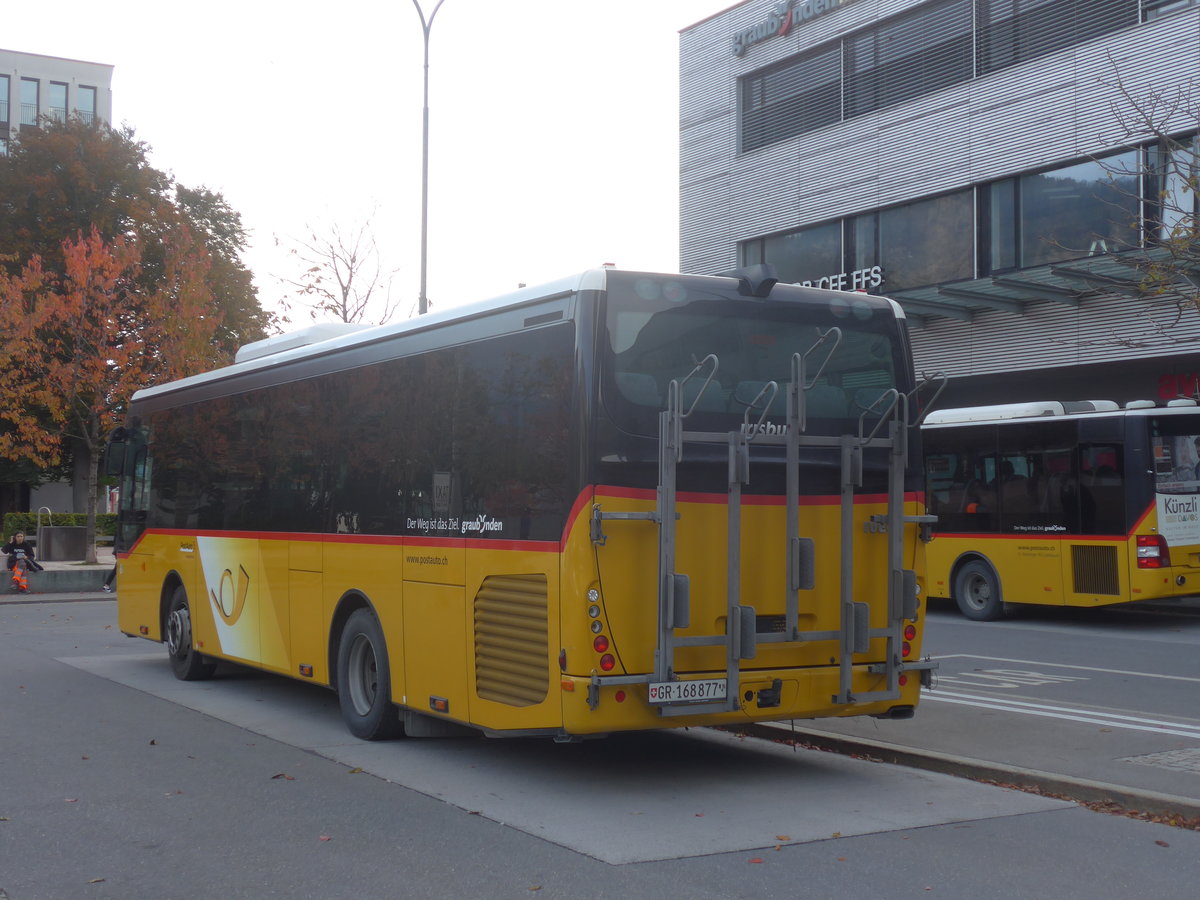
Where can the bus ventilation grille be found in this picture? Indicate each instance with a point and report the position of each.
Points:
(1095, 569)
(771, 624)
(512, 652)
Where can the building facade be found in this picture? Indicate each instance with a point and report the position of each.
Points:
(1005, 169)
(34, 86)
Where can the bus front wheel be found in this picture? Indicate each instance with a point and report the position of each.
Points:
(187, 663)
(977, 592)
(363, 680)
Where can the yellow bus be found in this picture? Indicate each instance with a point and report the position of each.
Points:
(1063, 503)
(619, 501)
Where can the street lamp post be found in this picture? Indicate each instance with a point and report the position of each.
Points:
(426, 27)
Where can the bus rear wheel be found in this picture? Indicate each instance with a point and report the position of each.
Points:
(977, 592)
(363, 681)
(187, 663)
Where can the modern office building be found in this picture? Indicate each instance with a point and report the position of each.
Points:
(980, 161)
(34, 86)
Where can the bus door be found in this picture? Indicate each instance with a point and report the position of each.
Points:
(140, 557)
(1174, 534)
(1035, 488)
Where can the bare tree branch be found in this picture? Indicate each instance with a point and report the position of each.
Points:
(342, 275)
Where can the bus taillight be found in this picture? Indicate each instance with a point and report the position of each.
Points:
(1152, 552)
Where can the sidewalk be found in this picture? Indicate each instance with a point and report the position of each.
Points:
(73, 577)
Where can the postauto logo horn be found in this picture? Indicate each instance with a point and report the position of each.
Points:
(779, 21)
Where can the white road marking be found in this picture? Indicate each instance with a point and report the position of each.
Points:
(1030, 662)
(1069, 714)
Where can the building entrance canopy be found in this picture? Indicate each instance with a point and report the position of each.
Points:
(1135, 273)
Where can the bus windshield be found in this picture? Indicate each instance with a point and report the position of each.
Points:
(1175, 447)
(659, 331)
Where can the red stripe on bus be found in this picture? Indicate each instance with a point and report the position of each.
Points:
(1031, 536)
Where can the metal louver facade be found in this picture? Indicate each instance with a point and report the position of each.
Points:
(868, 105)
(512, 650)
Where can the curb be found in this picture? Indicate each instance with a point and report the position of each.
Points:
(71, 597)
(1081, 790)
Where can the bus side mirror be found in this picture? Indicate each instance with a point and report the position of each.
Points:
(114, 453)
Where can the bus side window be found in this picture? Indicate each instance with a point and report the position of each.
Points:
(943, 489)
(979, 494)
(1016, 488)
(1101, 489)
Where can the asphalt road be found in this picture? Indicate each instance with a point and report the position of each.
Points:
(1098, 705)
(117, 781)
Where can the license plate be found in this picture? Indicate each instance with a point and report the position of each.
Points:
(684, 691)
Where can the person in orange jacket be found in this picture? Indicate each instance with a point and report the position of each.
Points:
(20, 561)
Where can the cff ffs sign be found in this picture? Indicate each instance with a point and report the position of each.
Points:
(858, 280)
(780, 20)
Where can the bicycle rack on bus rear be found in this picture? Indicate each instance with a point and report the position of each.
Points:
(741, 638)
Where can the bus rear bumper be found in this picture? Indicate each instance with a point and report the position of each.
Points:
(592, 705)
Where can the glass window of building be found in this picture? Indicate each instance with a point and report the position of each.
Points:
(912, 54)
(85, 102)
(806, 255)
(1177, 164)
(998, 224)
(1152, 9)
(56, 106)
(928, 242)
(1014, 31)
(787, 100)
(1080, 210)
(863, 234)
(4, 88)
(29, 100)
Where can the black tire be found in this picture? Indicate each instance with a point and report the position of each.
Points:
(187, 662)
(977, 592)
(363, 680)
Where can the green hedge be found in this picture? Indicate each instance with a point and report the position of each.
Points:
(106, 523)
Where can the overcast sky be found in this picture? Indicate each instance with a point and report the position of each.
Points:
(553, 124)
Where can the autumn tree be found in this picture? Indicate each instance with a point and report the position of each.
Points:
(342, 275)
(79, 342)
(218, 226)
(74, 194)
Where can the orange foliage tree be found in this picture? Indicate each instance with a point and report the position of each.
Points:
(76, 343)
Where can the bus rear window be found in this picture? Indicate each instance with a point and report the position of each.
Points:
(654, 340)
(1176, 456)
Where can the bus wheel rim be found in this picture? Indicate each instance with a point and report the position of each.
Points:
(978, 592)
(179, 631)
(363, 675)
